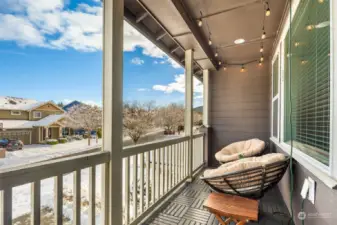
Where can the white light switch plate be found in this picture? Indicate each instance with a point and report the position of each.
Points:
(312, 190)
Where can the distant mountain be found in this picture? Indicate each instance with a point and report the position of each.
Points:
(71, 104)
(198, 109)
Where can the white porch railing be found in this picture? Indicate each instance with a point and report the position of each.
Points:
(150, 173)
(153, 171)
(34, 173)
(198, 151)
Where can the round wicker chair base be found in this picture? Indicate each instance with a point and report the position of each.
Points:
(250, 183)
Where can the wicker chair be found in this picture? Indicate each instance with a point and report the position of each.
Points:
(249, 183)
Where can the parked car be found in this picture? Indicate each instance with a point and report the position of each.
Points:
(4, 142)
(14, 145)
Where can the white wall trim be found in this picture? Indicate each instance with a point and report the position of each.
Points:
(333, 92)
(312, 165)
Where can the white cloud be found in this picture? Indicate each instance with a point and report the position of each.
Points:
(16, 28)
(50, 24)
(137, 61)
(173, 63)
(143, 89)
(179, 85)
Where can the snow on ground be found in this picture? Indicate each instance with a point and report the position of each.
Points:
(35, 153)
(22, 196)
(39, 152)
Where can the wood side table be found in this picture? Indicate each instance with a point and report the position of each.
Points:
(234, 208)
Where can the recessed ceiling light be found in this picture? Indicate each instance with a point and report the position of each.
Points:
(239, 41)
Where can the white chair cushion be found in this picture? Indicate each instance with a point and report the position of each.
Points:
(245, 163)
(242, 148)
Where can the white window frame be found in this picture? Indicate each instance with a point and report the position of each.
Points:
(328, 174)
(35, 116)
(277, 96)
(16, 113)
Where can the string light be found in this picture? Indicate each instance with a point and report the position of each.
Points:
(321, 1)
(268, 10)
(209, 41)
(304, 61)
(260, 63)
(224, 68)
(263, 36)
(220, 63)
(243, 69)
(199, 22)
(216, 54)
(262, 58)
(261, 48)
(297, 44)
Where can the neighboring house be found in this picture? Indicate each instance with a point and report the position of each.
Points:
(29, 120)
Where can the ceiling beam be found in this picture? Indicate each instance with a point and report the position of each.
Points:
(141, 16)
(160, 35)
(131, 19)
(202, 40)
(182, 34)
(175, 49)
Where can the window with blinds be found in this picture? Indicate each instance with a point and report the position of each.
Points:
(307, 80)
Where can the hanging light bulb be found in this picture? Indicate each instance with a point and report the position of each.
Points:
(209, 41)
(243, 69)
(297, 44)
(220, 63)
(199, 22)
(216, 54)
(224, 68)
(260, 63)
(263, 36)
(261, 49)
(268, 11)
(262, 58)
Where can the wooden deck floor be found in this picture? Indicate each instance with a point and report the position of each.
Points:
(186, 208)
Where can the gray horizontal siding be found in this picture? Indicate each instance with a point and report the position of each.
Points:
(239, 105)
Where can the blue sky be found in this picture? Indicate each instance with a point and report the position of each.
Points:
(53, 51)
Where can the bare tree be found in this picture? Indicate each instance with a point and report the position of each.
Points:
(87, 117)
(138, 119)
(171, 117)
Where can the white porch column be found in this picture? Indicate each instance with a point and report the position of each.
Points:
(112, 108)
(47, 133)
(206, 117)
(189, 105)
(206, 100)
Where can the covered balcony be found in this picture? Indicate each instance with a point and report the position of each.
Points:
(249, 55)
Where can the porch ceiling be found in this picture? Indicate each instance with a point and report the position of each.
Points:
(172, 25)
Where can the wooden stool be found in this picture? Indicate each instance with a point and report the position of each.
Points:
(234, 208)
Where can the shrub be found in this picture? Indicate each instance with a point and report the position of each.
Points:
(99, 133)
(52, 142)
(62, 140)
